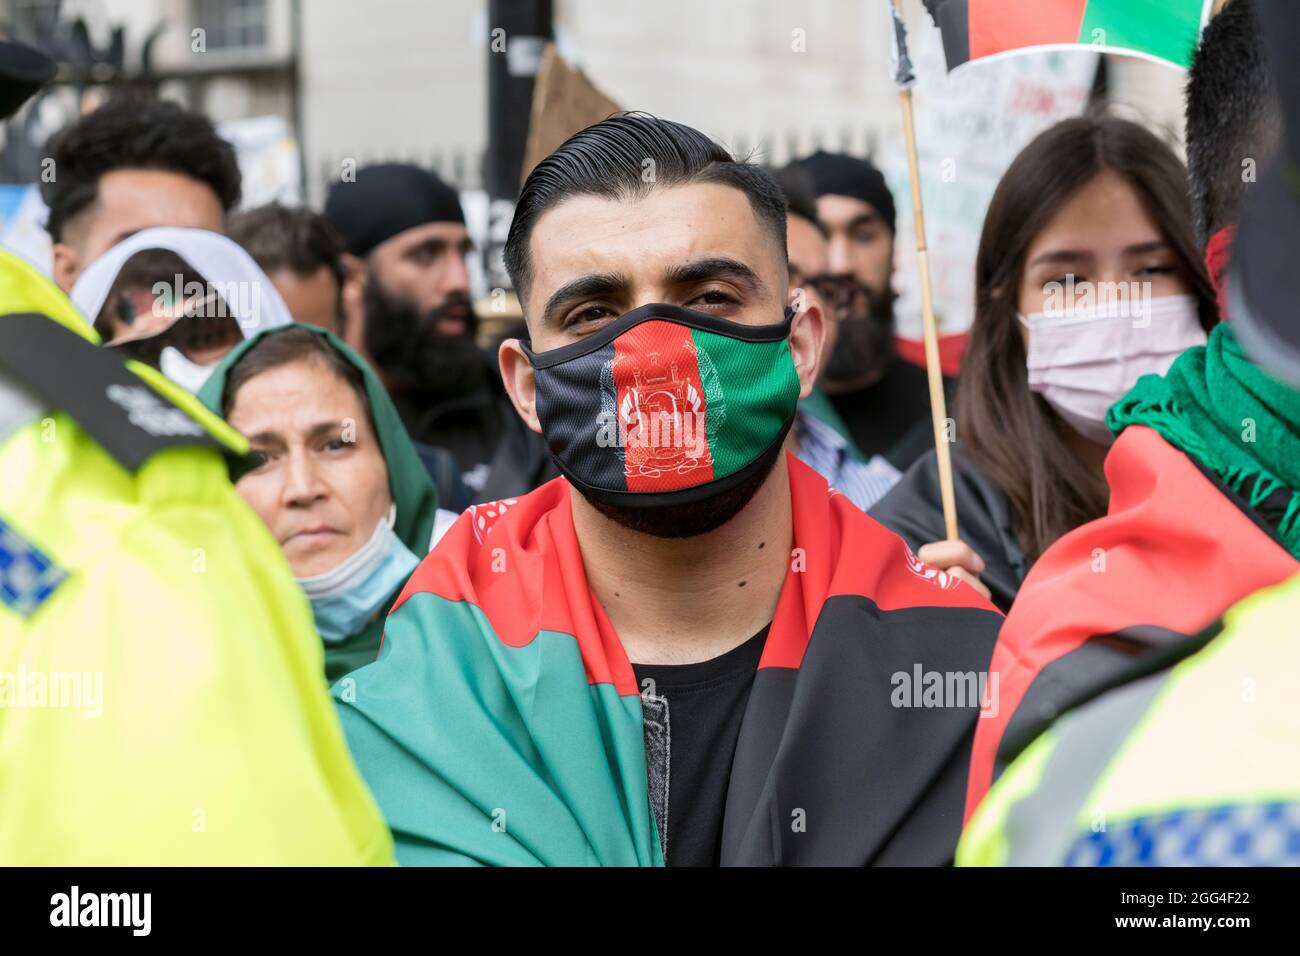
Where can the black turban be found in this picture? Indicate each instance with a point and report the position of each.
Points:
(387, 199)
(840, 175)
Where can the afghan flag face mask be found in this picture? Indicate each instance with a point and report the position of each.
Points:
(666, 405)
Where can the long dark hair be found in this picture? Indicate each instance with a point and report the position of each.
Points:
(1009, 432)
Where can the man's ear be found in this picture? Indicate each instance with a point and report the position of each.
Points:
(807, 334)
(520, 382)
(353, 300)
(66, 268)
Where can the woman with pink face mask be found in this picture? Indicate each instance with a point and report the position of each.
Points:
(1087, 278)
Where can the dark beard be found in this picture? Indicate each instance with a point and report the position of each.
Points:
(412, 356)
(696, 518)
(865, 347)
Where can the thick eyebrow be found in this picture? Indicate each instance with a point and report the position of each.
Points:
(320, 429)
(1074, 255)
(716, 267)
(1142, 248)
(596, 283)
(615, 284)
(434, 246)
(270, 437)
(867, 218)
(1061, 255)
(265, 438)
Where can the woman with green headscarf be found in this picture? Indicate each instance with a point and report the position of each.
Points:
(337, 479)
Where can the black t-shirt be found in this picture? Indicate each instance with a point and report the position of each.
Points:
(705, 705)
(892, 416)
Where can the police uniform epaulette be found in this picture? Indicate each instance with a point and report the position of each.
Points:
(127, 417)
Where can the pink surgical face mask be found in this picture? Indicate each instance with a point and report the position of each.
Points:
(1084, 361)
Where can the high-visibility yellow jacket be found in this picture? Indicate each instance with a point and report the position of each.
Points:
(161, 697)
(1195, 761)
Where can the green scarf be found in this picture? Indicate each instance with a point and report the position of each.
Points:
(1220, 408)
(413, 490)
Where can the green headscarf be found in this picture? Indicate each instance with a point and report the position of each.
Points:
(412, 489)
(1223, 410)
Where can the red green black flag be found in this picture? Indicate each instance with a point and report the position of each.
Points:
(1164, 30)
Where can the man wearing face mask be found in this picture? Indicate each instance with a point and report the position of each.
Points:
(409, 313)
(686, 649)
(883, 400)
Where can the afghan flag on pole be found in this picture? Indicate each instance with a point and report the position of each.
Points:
(1165, 30)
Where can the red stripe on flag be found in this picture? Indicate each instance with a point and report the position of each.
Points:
(1176, 551)
(661, 408)
(998, 25)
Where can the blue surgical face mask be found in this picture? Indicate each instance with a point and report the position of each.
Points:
(345, 598)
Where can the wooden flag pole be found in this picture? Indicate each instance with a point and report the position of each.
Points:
(934, 371)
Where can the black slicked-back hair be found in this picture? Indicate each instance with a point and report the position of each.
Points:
(1233, 114)
(135, 131)
(626, 156)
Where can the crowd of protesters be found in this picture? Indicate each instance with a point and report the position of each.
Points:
(552, 640)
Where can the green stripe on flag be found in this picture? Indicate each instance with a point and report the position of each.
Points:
(482, 752)
(1167, 29)
(756, 380)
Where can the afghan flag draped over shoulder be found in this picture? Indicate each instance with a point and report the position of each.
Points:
(502, 725)
(1156, 29)
(1175, 549)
